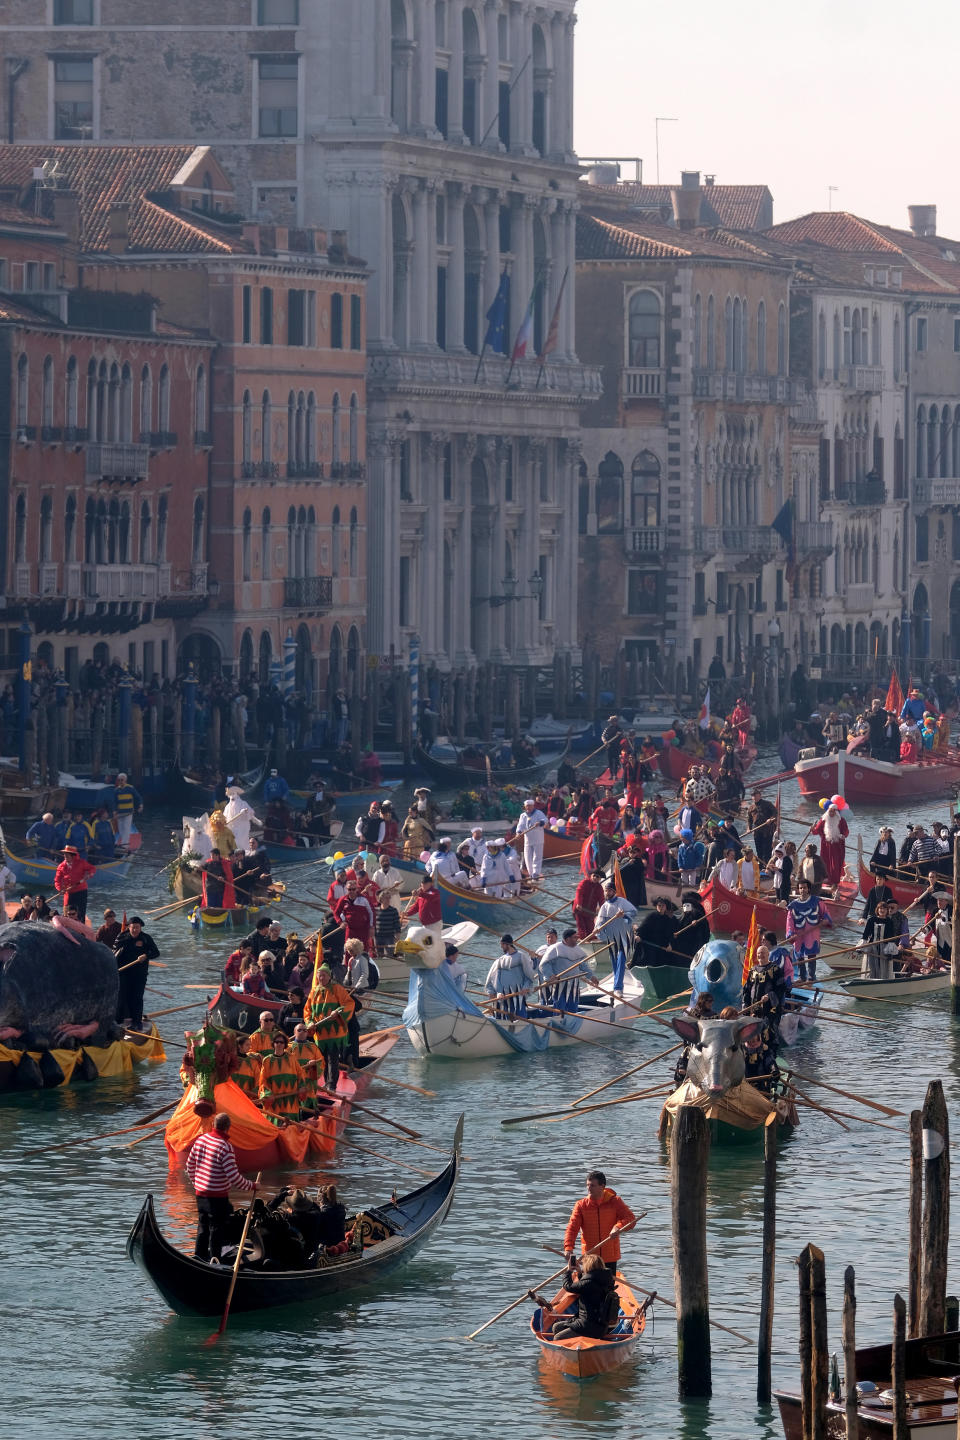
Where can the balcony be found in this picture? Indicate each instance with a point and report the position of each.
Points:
(706, 539)
(936, 492)
(304, 470)
(650, 540)
(805, 410)
(309, 592)
(859, 599)
(50, 434)
(642, 384)
(356, 470)
(158, 439)
(75, 435)
(868, 379)
(112, 583)
(814, 536)
(26, 434)
(117, 461)
(185, 594)
(758, 543)
(260, 470)
(863, 493)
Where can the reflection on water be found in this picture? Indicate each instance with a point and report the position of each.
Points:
(393, 1360)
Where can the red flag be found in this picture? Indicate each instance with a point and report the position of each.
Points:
(894, 700)
(553, 334)
(618, 878)
(753, 941)
(124, 925)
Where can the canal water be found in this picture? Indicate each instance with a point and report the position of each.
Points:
(92, 1351)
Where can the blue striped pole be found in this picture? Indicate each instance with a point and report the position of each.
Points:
(289, 665)
(414, 688)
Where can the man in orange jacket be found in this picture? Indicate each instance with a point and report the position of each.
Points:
(595, 1217)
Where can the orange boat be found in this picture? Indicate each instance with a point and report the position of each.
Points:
(555, 847)
(582, 1357)
(675, 762)
(728, 910)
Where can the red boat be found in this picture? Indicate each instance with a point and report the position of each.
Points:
(582, 1357)
(903, 892)
(865, 781)
(675, 762)
(728, 911)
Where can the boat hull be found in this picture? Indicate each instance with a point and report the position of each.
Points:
(875, 782)
(728, 911)
(662, 982)
(499, 915)
(476, 777)
(903, 892)
(583, 1357)
(911, 987)
(675, 762)
(29, 871)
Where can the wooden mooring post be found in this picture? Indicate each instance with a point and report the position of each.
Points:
(768, 1269)
(849, 1341)
(955, 934)
(901, 1428)
(814, 1359)
(915, 1218)
(689, 1159)
(936, 1211)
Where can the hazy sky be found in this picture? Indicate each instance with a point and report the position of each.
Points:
(860, 94)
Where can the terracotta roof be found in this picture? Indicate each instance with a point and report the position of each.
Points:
(837, 245)
(834, 229)
(736, 207)
(104, 176)
(600, 240)
(11, 214)
(16, 312)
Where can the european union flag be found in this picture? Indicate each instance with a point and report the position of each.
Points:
(496, 336)
(783, 525)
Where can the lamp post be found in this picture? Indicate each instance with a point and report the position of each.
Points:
(509, 584)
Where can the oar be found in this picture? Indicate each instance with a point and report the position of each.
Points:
(343, 1140)
(848, 1095)
(632, 1071)
(236, 1264)
(142, 1035)
(614, 1025)
(174, 1009)
(539, 1285)
(805, 1100)
(390, 1135)
(589, 757)
(108, 1134)
(569, 1111)
(403, 1085)
(366, 1110)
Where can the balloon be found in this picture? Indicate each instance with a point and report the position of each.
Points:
(823, 804)
(339, 855)
(839, 801)
(424, 856)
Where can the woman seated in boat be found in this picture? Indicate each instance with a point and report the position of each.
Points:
(237, 961)
(593, 1287)
(322, 1227)
(910, 742)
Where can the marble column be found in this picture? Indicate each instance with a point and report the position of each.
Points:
(378, 522)
(464, 450)
(561, 97)
(568, 337)
(498, 650)
(455, 268)
(430, 232)
(519, 53)
(491, 78)
(434, 527)
(455, 79)
(492, 263)
(419, 310)
(569, 79)
(426, 67)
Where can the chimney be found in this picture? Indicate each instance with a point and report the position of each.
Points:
(251, 234)
(923, 219)
(65, 205)
(118, 227)
(337, 249)
(605, 174)
(685, 199)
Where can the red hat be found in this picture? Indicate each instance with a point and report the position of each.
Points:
(70, 850)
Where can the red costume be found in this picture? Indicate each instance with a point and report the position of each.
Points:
(428, 906)
(604, 818)
(389, 845)
(71, 876)
(587, 899)
(740, 720)
(832, 850)
(356, 916)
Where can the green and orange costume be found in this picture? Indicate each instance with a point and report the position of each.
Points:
(327, 1012)
(281, 1080)
(247, 1074)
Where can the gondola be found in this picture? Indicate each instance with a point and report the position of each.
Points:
(455, 776)
(30, 870)
(193, 1287)
(728, 910)
(582, 1357)
(675, 762)
(196, 796)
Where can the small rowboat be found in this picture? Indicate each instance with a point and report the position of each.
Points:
(34, 871)
(728, 910)
(192, 1287)
(582, 1357)
(675, 763)
(454, 775)
(864, 781)
(484, 910)
(904, 892)
(800, 1015)
(901, 987)
(237, 917)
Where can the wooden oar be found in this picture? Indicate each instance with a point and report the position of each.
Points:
(539, 1285)
(552, 1250)
(585, 1014)
(632, 1071)
(173, 1010)
(849, 1095)
(366, 1110)
(153, 1131)
(417, 1170)
(590, 756)
(569, 1111)
(108, 1134)
(390, 1135)
(805, 1100)
(142, 1035)
(403, 1084)
(236, 1265)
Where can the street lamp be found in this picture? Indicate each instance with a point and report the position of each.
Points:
(509, 584)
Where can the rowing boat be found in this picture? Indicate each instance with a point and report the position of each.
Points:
(582, 1357)
(800, 1014)
(865, 781)
(485, 910)
(675, 762)
(901, 987)
(728, 910)
(30, 870)
(193, 1287)
(454, 775)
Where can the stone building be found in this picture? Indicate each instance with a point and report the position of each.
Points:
(438, 135)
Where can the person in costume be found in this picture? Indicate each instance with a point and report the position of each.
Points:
(262, 1038)
(246, 1069)
(209, 1058)
(217, 883)
(833, 830)
(309, 1057)
(221, 834)
(805, 915)
(281, 1082)
(327, 1012)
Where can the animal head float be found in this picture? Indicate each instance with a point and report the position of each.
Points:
(717, 970)
(422, 947)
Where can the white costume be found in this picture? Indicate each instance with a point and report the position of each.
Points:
(512, 861)
(444, 862)
(196, 841)
(477, 847)
(726, 873)
(239, 817)
(390, 880)
(494, 874)
(531, 825)
(569, 962)
(508, 980)
(614, 924)
(457, 973)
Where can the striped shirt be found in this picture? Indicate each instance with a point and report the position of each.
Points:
(212, 1166)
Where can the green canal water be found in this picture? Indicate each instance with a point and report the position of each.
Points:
(90, 1349)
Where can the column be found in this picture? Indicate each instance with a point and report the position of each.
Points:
(521, 276)
(519, 53)
(420, 335)
(426, 67)
(498, 548)
(561, 99)
(569, 78)
(378, 523)
(463, 454)
(491, 78)
(568, 463)
(382, 327)
(492, 266)
(455, 81)
(430, 232)
(431, 555)
(455, 268)
(568, 338)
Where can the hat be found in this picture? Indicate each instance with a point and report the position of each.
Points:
(529, 800)
(135, 920)
(297, 1200)
(686, 834)
(494, 842)
(445, 840)
(70, 850)
(423, 790)
(324, 968)
(476, 830)
(915, 692)
(612, 717)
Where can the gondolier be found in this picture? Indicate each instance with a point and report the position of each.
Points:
(126, 802)
(587, 899)
(212, 1167)
(531, 825)
(134, 948)
(509, 979)
(599, 1214)
(71, 881)
(562, 967)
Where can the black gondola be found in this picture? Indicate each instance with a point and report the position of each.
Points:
(473, 776)
(193, 1287)
(196, 796)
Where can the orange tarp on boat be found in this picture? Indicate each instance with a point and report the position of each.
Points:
(255, 1139)
(743, 1107)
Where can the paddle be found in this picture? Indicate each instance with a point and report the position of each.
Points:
(378, 1155)
(632, 1071)
(570, 1113)
(366, 1110)
(848, 1095)
(108, 1134)
(402, 1084)
(526, 1294)
(174, 1009)
(236, 1266)
(589, 757)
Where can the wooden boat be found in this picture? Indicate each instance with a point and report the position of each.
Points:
(662, 982)
(236, 917)
(931, 1363)
(34, 871)
(582, 1357)
(901, 987)
(737, 1115)
(196, 796)
(675, 762)
(485, 910)
(193, 1287)
(20, 800)
(456, 776)
(352, 801)
(555, 846)
(865, 781)
(728, 911)
(801, 1014)
(904, 891)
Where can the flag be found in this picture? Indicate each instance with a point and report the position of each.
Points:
(553, 334)
(705, 711)
(317, 962)
(618, 878)
(124, 925)
(783, 524)
(496, 336)
(894, 700)
(525, 333)
(753, 941)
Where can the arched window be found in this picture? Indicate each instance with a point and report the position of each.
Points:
(163, 399)
(610, 495)
(266, 424)
(644, 330)
(113, 530)
(711, 334)
(145, 537)
(761, 339)
(697, 328)
(782, 340)
(23, 391)
(822, 346)
(310, 543)
(933, 446)
(47, 409)
(300, 430)
(943, 467)
(161, 529)
(354, 430)
(247, 428)
(335, 431)
(146, 405)
(335, 541)
(123, 534)
(46, 529)
(20, 529)
(93, 408)
(70, 530)
(354, 542)
(738, 335)
(72, 398)
(645, 490)
(126, 405)
(113, 404)
(265, 543)
(311, 429)
(200, 402)
(857, 338)
(921, 442)
(245, 545)
(199, 538)
(728, 334)
(875, 349)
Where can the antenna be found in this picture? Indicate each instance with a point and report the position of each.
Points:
(831, 191)
(658, 121)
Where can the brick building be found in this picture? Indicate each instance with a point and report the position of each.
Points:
(275, 415)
